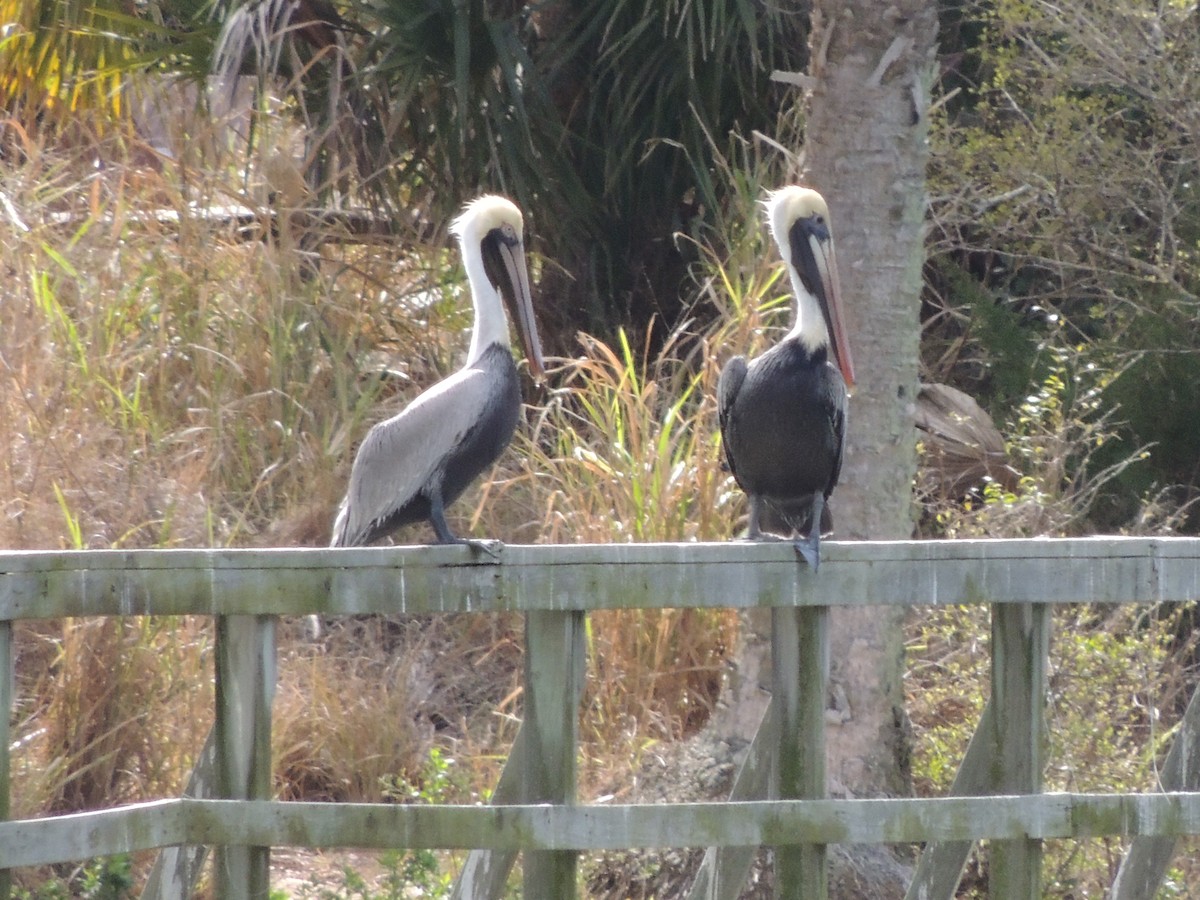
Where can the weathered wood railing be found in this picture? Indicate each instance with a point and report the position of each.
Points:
(535, 809)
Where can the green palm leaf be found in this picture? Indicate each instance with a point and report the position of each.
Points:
(62, 59)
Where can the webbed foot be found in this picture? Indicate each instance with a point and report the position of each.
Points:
(490, 546)
(809, 549)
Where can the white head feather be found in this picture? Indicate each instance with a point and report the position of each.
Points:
(784, 208)
(481, 216)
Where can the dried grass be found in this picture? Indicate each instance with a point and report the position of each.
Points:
(167, 383)
(174, 385)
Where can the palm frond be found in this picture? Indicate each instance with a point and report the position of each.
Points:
(599, 119)
(60, 59)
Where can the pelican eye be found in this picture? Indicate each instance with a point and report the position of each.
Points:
(508, 234)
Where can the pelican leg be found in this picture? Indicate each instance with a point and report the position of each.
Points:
(753, 531)
(437, 518)
(810, 547)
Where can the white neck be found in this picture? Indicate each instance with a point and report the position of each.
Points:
(491, 325)
(809, 328)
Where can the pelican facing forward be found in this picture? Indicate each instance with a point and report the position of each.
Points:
(412, 466)
(783, 414)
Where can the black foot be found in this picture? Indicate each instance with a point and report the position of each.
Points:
(810, 549)
(765, 537)
(490, 546)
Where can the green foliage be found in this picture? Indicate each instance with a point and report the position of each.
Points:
(404, 873)
(1062, 437)
(1116, 686)
(109, 878)
(1065, 173)
(67, 64)
(600, 120)
(435, 783)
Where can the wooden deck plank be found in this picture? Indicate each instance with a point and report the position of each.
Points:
(940, 867)
(723, 870)
(176, 869)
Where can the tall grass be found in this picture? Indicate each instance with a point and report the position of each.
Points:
(168, 383)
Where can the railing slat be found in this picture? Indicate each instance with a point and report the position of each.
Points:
(941, 865)
(555, 657)
(245, 687)
(1144, 866)
(800, 664)
(724, 868)
(1020, 647)
(6, 707)
(484, 875)
(1021, 578)
(176, 870)
(145, 826)
(447, 579)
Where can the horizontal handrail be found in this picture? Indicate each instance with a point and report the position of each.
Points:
(451, 579)
(162, 823)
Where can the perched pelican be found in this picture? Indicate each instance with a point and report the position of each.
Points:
(783, 415)
(415, 464)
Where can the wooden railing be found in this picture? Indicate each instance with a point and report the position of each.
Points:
(778, 798)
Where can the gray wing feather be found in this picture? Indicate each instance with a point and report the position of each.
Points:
(401, 455)
(728, 386)
(841, 408)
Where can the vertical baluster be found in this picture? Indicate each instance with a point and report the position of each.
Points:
(6, 705)
(1020, 646)
(555, 652)
(800, 663)
(245, 662)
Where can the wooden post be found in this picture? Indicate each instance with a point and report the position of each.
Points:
(245, 662)
(6, 705)
(800, 664)
(1020, 646)
(484, 875)
(555, 652)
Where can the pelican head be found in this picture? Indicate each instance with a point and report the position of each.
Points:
(490, 232)
(799, 220)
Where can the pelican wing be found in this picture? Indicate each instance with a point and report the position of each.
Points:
(404, 454)
(839, 400)
(728, 386)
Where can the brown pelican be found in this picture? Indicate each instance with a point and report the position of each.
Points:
(412, 466)
(783, 414)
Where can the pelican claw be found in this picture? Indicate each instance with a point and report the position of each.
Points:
(490, 546)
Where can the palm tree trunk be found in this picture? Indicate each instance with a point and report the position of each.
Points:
(866, 150)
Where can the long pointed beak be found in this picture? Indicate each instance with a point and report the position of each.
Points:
(829, 296)
(515, 291)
